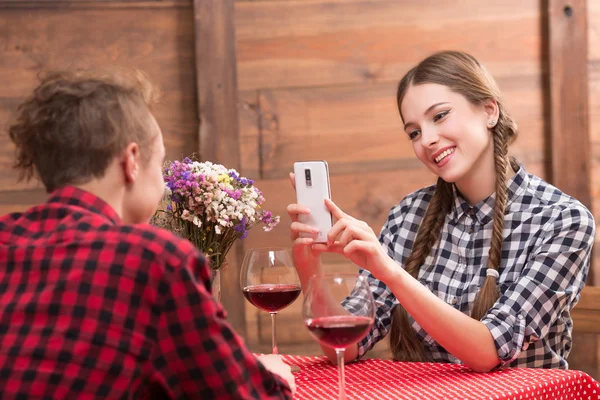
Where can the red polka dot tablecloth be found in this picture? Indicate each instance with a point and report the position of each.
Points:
(383, 379)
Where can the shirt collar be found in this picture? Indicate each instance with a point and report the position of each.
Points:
(484, 210)
(73, 196)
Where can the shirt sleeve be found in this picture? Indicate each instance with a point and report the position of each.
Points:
(549, 285)
(384, 299)
(198, 353)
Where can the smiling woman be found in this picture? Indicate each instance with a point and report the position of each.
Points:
(454, 129)
(490, 249)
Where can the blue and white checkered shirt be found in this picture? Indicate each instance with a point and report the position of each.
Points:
(548, 237)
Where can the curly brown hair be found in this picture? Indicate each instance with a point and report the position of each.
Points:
(75, 122)
(462, 74)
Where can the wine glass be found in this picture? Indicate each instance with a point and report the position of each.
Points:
(333, 324)
(270, 282)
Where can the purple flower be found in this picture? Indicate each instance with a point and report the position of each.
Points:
(241, 227)
(197, 194)
(234, 175)
(240, 180)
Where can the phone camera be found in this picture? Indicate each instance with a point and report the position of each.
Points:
(307, 177)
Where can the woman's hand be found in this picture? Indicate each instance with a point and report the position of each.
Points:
(306, 259)
(356, 240)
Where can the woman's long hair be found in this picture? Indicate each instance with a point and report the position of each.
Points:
(464, 75)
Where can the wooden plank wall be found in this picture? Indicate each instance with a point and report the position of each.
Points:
(568, 109)
(157, 37)
(219, 132)
(316, 80)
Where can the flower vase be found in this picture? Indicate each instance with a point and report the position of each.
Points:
(215, 280)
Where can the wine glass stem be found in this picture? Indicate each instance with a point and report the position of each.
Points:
(273, 333)
(341, 377)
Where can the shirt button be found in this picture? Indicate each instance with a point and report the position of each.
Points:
(520, 316)
(470, 230)
(454, 301)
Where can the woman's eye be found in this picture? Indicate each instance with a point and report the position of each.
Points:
(440, 115)
(413, 134)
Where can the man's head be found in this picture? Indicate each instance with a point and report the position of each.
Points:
(77, 127)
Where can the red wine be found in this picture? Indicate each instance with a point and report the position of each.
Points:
(340, 331)
(272, 297)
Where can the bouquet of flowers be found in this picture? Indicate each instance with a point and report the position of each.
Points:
(211, 206)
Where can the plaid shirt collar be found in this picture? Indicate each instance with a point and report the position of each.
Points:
(483, 211)
(76, 197)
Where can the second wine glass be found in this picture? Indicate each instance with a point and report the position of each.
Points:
(270, 282)
(330, 317)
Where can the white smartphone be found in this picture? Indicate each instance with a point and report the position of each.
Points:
(312, 188)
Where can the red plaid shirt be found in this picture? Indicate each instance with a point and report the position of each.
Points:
(90, 307)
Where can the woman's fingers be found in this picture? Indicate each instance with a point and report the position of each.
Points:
(296, 228)
(358, 229)
(356, 247)
(348, 235)
(293, 180)
(335, 210)
(300, 227)
(336, 229)
(334, 248)
(294, 210)
(302, 241)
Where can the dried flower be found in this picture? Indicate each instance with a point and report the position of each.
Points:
(211, 206)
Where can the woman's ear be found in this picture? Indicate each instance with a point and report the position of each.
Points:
(131, 160)
(492, 112)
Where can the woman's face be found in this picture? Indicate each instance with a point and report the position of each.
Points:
(449, 134)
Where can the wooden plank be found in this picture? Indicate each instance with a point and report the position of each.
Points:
(88, 4)
(160, 42)
(356, 128)
(586, 331)
(250, 147)
(594, 124)
(105, 2)
(569, 129)
(594, 128)
(593, 32)
(594, 104)
(20, 200)
(219, 136)
(9, 176)
(590, 300)
(570, 137)
(586, 314)
(322, 43)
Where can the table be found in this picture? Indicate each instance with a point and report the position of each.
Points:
(383, 379)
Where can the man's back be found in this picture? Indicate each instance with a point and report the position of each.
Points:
(95, 308)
